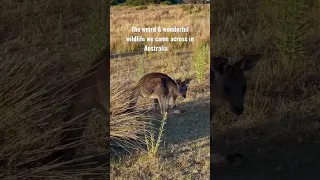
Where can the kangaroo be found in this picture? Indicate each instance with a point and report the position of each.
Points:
(161, 88)
(228, 84)
(91, 91)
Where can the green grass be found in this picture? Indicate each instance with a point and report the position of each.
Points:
(142, 7)
(152, 143)
(291, 27)
(201, 61)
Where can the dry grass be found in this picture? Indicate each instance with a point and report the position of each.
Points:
(126, 129)
(279, 128)
(44, 45)
(189, 160)
(123, 18)
(176, 66)
(184, 151)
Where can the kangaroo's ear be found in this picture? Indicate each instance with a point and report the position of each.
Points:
(187, 81)
(178, 81)
(248, 62)
(219, 64)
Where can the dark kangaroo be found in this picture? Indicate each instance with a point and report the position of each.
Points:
(91, 91)
(229, 84)
(161, 88)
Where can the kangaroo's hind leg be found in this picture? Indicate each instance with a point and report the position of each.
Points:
(162, 103)
(167, 99)
(174, 105)
(155, 104)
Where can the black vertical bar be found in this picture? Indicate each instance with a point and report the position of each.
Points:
(108, 80)
(211, 82)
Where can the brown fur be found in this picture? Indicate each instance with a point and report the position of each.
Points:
(161, 88)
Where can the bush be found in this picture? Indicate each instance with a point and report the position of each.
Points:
(200, 60)
(116, 2)
(143, 2)
(167, 2)
(138, 2)
(142, 7)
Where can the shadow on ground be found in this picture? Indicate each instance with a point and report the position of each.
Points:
(191, 124)
(286, 150)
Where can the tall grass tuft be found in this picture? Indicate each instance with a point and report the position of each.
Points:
(201, 61)
(34, 99)
(41, 42)
(291, 26)
(152, 143)
(141, 68)
(126, 129)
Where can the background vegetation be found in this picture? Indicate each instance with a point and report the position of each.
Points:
(279, 131)
(144, 2)
(194, 16)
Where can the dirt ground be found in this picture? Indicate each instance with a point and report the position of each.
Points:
(184, 151)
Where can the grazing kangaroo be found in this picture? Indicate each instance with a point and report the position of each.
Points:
(161, 88)
(228, 84)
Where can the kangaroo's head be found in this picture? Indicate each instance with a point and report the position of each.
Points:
(182, 87)
(230, 82)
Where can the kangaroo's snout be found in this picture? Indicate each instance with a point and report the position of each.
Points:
(184, 96)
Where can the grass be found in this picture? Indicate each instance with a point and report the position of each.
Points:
(152, 144)
(184, 149)
(46, 45)
(290, 32)
(126, 129)
(201, 59)
(142, 7)
(124, 17)
(141, 69)
(277, 128)
(177, 146)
